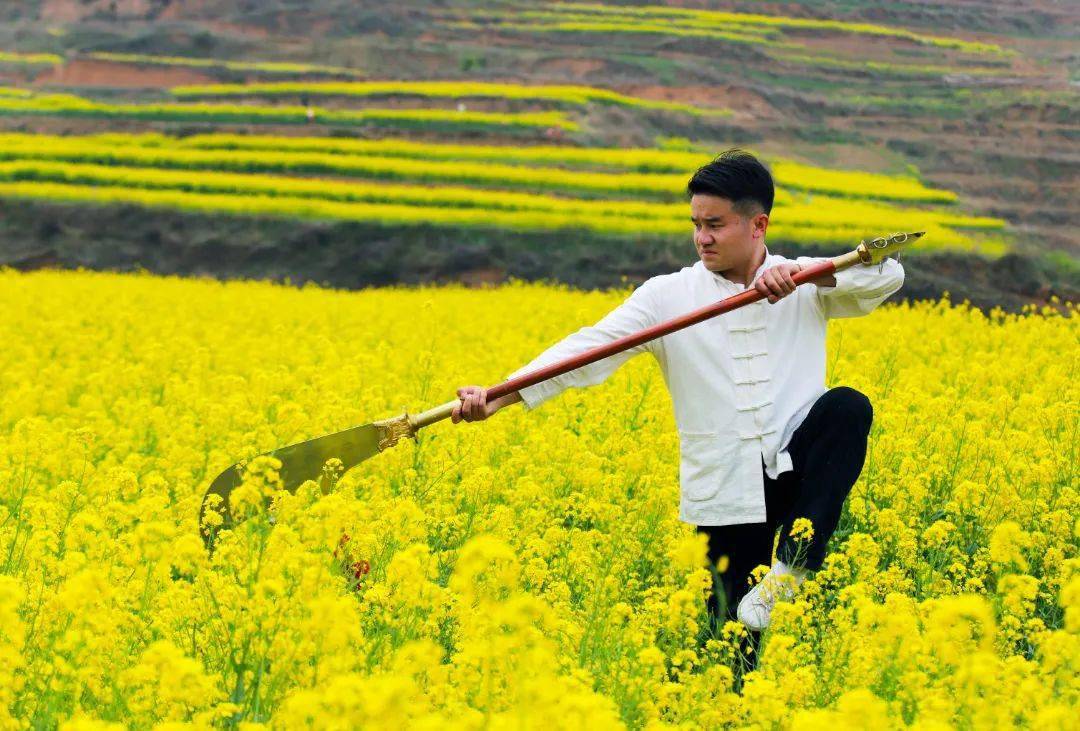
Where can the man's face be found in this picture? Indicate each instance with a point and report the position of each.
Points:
(723, 238)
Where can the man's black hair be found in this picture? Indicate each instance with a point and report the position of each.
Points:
(739, 177)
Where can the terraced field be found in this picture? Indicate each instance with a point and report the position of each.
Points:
(269, 176)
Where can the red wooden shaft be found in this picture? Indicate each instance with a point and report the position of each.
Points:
(650, 333)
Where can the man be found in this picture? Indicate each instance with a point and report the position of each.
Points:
(763, 441)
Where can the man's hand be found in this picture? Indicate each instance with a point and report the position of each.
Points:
(776, 282)
(474, 405)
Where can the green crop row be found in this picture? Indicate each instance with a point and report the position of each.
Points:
(884, 68)
(564, 94)
(67, 105)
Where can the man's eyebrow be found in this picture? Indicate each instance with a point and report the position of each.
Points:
(710, 219)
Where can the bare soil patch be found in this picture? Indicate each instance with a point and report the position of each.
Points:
(90, 72)
(73, 11)
(739, 99)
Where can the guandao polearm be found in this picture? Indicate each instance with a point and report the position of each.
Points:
(307, 460)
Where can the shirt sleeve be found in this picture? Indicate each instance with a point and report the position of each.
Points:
(636, 313)
(859, 288)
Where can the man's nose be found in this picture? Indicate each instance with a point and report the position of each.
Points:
(702, 238)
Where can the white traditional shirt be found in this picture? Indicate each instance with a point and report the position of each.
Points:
(741, 383)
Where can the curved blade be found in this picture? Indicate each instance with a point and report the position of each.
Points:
(301, 462)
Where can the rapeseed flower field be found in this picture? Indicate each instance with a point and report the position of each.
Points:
(522, 572)
(400, 182)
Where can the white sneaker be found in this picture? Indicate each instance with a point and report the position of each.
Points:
(756, 607)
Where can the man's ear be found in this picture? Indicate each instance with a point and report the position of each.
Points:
(760, 222)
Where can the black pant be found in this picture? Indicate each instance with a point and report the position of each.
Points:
(827, 454)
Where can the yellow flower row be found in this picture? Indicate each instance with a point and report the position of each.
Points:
(268, 67)
(644, 160)
(802, 226)
(320, 154)
(284, 206)
(557, 23)
(564, 94)
(98, 150)
(421, 196)
(851, 183)
(841, 218)
(400, 214)
(756, 22)
(30, 59)
(68, 105)
(800, 217)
